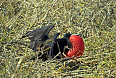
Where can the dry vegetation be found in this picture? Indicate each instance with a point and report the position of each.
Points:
(95, 19)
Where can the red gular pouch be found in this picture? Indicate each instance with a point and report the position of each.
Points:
(77, 47)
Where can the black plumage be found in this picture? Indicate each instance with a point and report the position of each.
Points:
(50, 46)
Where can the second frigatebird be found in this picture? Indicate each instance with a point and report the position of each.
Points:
(52, 46)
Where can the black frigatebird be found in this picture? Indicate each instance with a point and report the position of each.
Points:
(52, 46)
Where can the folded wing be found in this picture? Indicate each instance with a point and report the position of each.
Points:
(38, 36)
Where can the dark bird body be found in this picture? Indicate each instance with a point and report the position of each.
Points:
(50, 46)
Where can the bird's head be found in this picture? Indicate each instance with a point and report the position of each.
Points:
(77, 44)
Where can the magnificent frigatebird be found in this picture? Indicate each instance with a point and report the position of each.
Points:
(52, 46)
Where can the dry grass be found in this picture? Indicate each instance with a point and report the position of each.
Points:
(95, 19)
